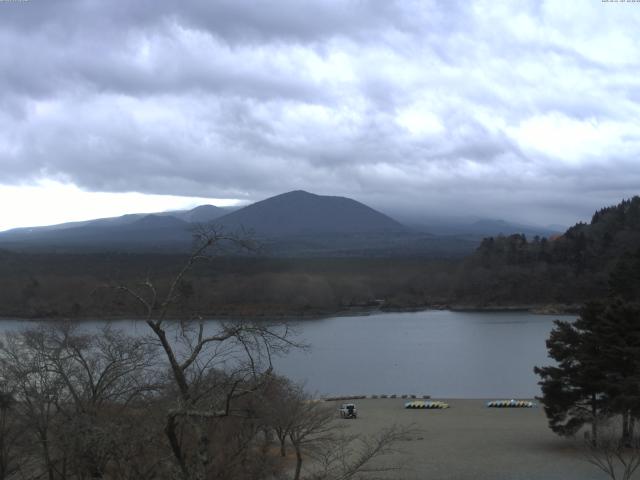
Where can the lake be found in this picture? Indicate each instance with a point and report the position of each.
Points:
(441, 353)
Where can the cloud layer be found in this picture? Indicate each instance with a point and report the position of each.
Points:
(528, 111)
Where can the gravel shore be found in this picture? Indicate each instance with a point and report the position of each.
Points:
(471, 441)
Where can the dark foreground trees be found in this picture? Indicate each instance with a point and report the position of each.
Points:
(74, 397)
(615, 456)
(79, 405)
(598, 369)
(189, 400)
(214, 369)
(573, 390)
(76, 405)
(597, 375)
(596, 382)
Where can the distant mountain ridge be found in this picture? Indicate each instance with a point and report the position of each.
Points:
(199, 214)
(293, 214)
(474, 226)
(290, 224)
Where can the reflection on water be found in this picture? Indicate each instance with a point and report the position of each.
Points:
(440, 353)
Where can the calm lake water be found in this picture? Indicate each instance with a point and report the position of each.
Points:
(440, 353)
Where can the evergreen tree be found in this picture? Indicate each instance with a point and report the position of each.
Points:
(573, 391)
(624, 280)
(619, 334)
(598, 368)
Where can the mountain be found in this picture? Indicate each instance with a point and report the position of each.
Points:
(199, 214)
(303, 213)
(488, 227)
(475, 227)
(122, 220)
(202, 214)
(136, 232)
(151, 231)
(556, 228)
(303, 222)
(293, 224)
(161, 231)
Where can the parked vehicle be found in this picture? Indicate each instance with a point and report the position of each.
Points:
(348, 410)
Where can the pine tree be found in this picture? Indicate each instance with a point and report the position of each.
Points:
(573, 391)
(619, 334)
(624, 280)
(598, 369)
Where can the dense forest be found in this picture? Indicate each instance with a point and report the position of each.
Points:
(505, 271)
(66, 285)
(567, 269)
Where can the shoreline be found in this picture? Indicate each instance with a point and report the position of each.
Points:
(536, 309)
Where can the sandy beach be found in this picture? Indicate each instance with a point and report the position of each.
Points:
(470, 441)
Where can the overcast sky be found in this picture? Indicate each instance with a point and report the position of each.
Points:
(526, 110)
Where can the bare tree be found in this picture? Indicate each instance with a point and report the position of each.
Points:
(71, 390)
(312, 425)
(317, 435)
(193, 350)
(617, 455)
(281, 399)
(186, 401)
(347, 456)
(104, 374)
(38, 394)
(11, 433)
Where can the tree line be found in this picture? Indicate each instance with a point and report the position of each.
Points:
(567, 269)
(72, 286)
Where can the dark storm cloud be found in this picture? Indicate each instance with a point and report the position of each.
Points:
(461, 107)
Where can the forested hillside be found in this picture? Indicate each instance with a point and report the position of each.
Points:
(569, 268)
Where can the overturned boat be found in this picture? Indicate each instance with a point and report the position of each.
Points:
(510, 404)
(430, 404)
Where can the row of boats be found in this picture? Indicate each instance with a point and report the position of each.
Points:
(435, 404)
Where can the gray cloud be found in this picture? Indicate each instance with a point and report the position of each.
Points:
(528, 113)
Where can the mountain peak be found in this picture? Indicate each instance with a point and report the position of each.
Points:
(294, 194)
(300, 212)
(203, 214)
(298, 192)
(204, 208)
